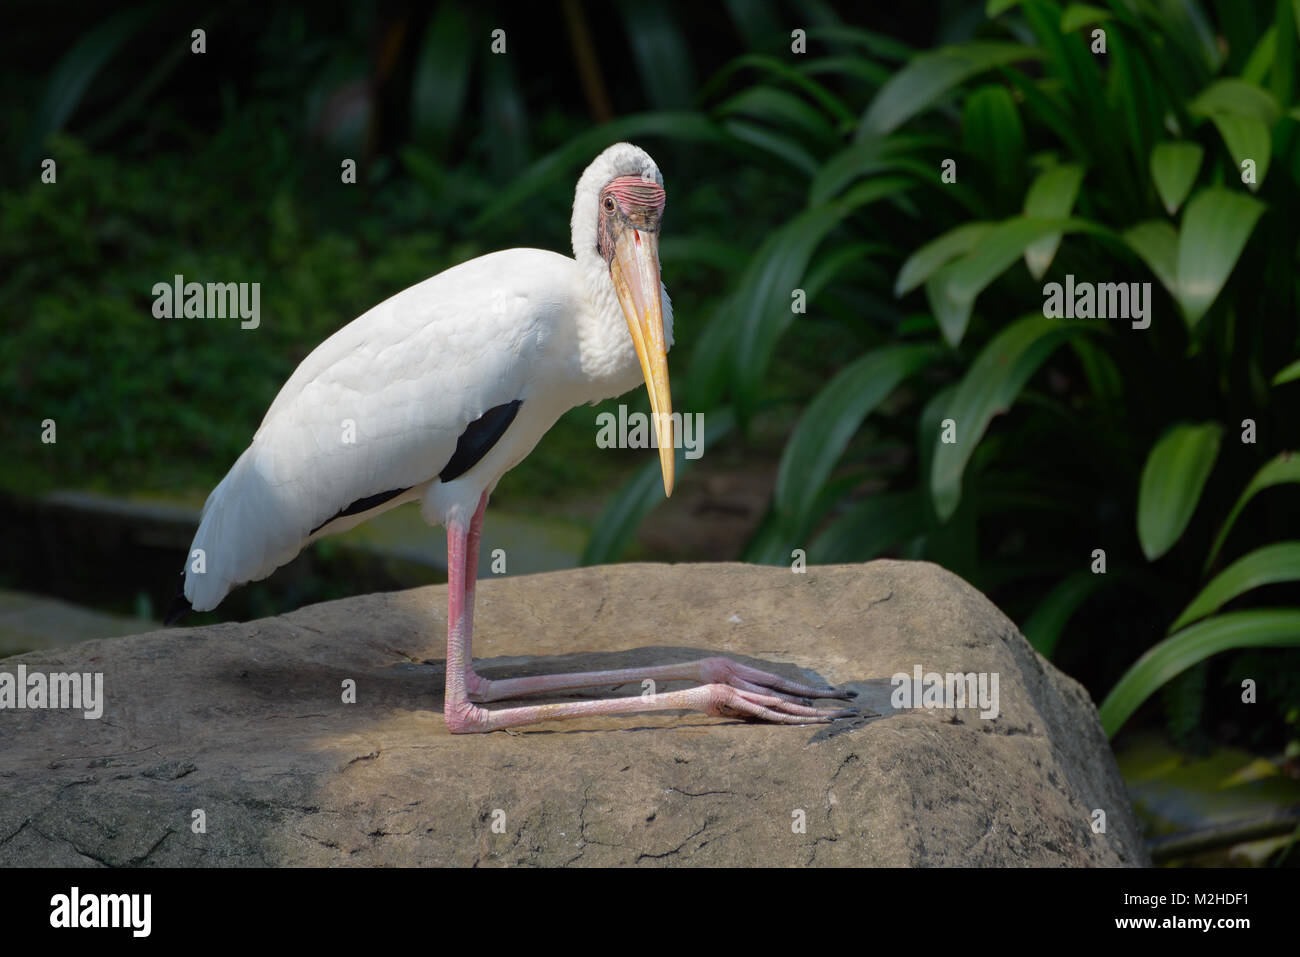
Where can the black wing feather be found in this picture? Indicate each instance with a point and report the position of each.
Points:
(478, 438)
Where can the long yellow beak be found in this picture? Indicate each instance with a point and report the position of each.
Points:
(635, 271)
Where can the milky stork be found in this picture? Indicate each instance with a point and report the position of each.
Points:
(444, 388)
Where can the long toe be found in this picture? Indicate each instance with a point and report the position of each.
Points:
(728, 701)
(726, 671)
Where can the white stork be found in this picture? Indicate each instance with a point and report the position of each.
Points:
(447, 386)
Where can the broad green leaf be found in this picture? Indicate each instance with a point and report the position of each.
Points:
(763, 301)
(1052, 195)
(77, 68)
(560, 165)
(849, 67)
(708, 377)
(1045, 623)
(877, 44)
(703, 249)
(1216, 225)
(1247, 138)
(757, 23)
(994, 7)
(641, 494)
(1235, 96)
(1174, 167)
(1080, 72)
(1289, 374)
(1190, 29)
(872, 526)
(831, 420)
(774, 542)
(866, 159)
(1047, 103)
(921, 264)
(1264, 566)
(1244, 114)
(840, 257)
(786, 148)
(930, 75)
(662, 54)
(928, 425)
(1278, 471)
(442, 75)
(1133, 93)
(952, 290)
(783, 71)
(989, 388)
(1078, 15)
(1261, 628)
(777, 107)
(1156, 241)
(1172, 480)
(506, 118)
(1261, 58)
(991, 128)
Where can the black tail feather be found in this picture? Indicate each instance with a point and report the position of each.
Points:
(180, 605)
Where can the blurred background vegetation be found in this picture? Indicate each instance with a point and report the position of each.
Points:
(802, 143)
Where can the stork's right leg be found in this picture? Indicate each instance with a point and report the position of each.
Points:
(475, 686)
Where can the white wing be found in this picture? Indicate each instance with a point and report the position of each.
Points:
(379, 406)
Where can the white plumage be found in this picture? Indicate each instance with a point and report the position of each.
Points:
(444, 388)
(407, 377)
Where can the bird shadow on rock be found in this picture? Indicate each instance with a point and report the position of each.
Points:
(873, 701)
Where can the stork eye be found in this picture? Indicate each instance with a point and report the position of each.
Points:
(609, 204)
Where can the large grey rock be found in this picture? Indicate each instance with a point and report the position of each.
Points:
(246, 723)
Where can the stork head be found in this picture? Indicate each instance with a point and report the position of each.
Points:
(616, 215)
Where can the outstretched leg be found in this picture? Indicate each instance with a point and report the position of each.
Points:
(773, 701)
(706, 671)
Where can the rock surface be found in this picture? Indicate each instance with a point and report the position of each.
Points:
(246, 723)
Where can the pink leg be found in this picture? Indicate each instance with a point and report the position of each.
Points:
(768, 698)
(456, 705)
(706, 670)
(474, 685)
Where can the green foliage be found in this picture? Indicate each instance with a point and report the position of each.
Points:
(1241, 629)
(1172, 480)
(1123, 166)
(165, 403)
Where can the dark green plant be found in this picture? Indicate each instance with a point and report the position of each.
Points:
(1170, 158)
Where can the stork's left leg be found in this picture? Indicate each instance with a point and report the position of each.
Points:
(722, 671)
